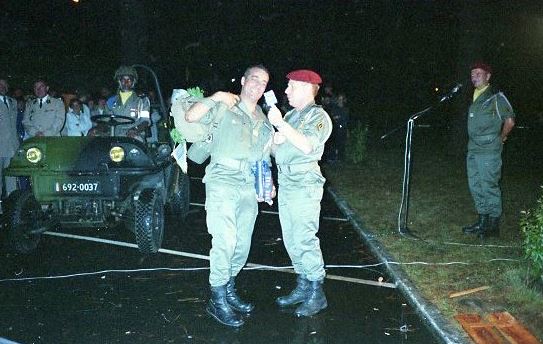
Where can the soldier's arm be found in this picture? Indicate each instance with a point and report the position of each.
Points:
(59, 119)
(27, 123)
(198, 110)
(508, 125)
(286, 131)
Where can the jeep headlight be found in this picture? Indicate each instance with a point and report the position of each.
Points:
(34, 155)
(116, 154)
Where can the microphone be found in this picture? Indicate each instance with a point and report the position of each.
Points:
(269, 100)
(452, 92)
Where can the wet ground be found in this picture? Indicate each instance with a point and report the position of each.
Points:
(129, 298)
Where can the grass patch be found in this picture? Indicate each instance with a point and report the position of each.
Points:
(440, 204)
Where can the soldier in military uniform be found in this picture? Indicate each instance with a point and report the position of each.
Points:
(490, 120)
(127, 103)
(44, 115)
(9, 140)
(298, 146)
(242, 137)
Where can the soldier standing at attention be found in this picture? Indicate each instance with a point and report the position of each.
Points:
(242, 137)
(9, 140)
(298, 146)
(44, 115)
(127, 103)
(490, 120)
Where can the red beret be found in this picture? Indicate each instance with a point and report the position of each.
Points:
(481, 65)
(305, 75)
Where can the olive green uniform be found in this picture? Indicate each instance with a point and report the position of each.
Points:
(238, 141)
(135, 107)
(301, 190)
(485, 119)
(46, 115)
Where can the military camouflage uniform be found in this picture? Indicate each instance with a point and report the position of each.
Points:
(231, 204)
(136, 107)
(485, 119)
(301, 190)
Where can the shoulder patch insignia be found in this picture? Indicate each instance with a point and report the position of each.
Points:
(320, 125)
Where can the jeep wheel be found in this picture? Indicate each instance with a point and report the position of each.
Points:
(149, 221)
(23, 215)
(179, 202)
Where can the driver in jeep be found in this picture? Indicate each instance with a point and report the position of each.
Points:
(129, 112)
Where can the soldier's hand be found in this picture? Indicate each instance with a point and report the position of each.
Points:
(278, 138)
(275, 117)
(227, 98)
(274, 191)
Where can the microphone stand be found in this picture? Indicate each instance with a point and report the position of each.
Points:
(404, 206)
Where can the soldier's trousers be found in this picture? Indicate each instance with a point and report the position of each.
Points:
(231, 215)
(299, 210)
(484, 173)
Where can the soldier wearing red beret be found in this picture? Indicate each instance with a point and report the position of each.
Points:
(298, 146)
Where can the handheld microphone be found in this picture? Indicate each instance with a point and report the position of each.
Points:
(452, 92)
(269, 100)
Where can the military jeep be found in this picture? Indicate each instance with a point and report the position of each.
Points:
(97, 181)
(94, 182)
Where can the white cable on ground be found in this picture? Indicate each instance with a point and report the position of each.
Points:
(250, 266)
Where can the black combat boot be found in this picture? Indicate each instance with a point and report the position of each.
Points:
(315, 302)
(233, 299)
(493, 228)
(477, 227)
(219, 308)
(297, 295)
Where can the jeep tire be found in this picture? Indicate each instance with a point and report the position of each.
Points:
(179, 202)
(149, 221)
(24, 216)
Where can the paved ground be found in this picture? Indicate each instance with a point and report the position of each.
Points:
(165, 304)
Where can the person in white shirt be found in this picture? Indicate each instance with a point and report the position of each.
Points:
(78, 122)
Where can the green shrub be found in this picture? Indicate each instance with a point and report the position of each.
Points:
(531, 225)
(355, 150)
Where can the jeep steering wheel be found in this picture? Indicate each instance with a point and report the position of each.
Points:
(112, 121)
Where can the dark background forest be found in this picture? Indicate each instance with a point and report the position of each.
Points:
(392, 57)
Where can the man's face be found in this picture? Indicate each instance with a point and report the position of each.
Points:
(40, 89)
(3, 87)
(254, 84)
(297, 93)
(479, 78)
(126, 82)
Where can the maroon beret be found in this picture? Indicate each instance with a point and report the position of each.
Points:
(481, 65)
(305, 75)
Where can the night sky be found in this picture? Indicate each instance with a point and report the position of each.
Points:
(382, 54)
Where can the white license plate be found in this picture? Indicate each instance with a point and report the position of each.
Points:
(77, 187)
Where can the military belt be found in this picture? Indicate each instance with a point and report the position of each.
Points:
(294, 168)
(234, 164)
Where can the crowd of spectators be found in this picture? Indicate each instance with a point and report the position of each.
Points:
(72, 119)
